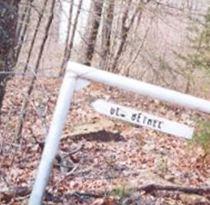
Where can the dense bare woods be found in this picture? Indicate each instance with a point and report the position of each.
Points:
(136, 38)
(31, 85)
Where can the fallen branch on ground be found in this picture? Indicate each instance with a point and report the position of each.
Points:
(6, 196)
(188, 190)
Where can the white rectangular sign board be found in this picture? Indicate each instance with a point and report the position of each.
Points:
(142, 119)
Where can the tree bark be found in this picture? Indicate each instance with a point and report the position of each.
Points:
(33, 80)
(8, 39)
(92, 31)
(124, 34)
(71, 40)
(23, 26)
(35, 35)
(127, 23)
(67, 38)
(108, 15)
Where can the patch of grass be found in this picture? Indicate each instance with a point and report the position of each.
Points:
(202, 137)
(120, 191)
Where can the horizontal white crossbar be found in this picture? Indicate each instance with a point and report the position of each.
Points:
(139, 87)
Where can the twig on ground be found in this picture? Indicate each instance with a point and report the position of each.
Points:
(74, 151)
(188, 190)
(7, 195)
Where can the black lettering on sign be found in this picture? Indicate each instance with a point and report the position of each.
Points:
(133, 117)
(149, 122)
(139, 117)
(112, 111)
(154, 123)
(159, 124)
(144, 120)
(117, 111)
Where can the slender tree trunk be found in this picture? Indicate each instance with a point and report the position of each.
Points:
(124, 34)
(108, 15)
(68, 36)
(22, 18)
(8, 39)
(137, 53)
(127, 23)
(92, 31)
(71, 41)
(35, 35)
(23, 27)
(31, 86)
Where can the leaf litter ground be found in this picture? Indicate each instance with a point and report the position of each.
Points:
(97, 154)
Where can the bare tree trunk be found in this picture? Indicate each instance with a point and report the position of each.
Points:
(35, 35)
(108, 15)
(124, 34)
(8, 39)
(22, 18)
(92, 31)
(68, 36)
(31, 86)
(71, 41)
(25, 20)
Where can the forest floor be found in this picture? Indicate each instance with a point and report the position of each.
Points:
(101, 161)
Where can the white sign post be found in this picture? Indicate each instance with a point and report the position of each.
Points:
(53, 138)
(76, 71)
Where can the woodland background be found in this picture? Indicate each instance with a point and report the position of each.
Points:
(165, 42)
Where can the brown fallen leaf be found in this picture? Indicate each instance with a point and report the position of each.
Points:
(105, 201)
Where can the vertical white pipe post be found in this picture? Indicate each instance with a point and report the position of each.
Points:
(53, 138)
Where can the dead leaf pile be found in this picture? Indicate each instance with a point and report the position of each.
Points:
(101, 161)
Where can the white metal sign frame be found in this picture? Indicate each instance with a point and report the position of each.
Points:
(76, 71)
